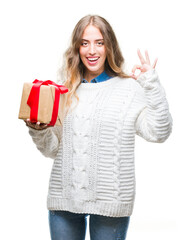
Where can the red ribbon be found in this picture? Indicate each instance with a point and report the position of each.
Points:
(33, 99)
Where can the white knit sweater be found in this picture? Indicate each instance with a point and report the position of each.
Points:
(93, 170)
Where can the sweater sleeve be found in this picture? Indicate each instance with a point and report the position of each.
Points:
(48, 140)
(154, 122)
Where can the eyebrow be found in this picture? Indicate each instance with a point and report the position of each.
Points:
(95, 40)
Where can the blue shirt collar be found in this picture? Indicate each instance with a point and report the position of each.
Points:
(101, 78)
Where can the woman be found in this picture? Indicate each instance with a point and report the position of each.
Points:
(93, 170)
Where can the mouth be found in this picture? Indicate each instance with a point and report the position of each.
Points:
(92, 60)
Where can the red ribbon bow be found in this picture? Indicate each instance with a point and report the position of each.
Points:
(33, 99)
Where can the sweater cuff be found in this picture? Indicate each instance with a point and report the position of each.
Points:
(149, 79)
(34, 132)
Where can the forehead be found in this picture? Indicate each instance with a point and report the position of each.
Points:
(91, 33)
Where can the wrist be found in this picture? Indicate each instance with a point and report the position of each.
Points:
(148, 79)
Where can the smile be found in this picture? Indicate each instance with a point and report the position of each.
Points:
(92, 60)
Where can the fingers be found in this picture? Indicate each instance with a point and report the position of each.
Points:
(146, 64)
(147, 57)
(37, 125)
(141, 57)
(136, 67)
(132, 75)
(155, 62)
(147, 61)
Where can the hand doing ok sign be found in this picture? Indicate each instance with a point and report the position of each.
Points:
(145, 65)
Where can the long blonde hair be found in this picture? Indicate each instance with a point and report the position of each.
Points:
(72, 70)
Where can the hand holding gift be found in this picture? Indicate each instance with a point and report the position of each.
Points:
(42, 104)
(37, 125)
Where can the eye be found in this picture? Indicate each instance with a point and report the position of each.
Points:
(100, 43)
(84, 44)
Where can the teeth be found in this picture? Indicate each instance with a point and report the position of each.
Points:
(92, 59)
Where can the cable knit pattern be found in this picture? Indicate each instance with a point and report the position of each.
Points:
(93, 170)
(47, 140)
(154, 122)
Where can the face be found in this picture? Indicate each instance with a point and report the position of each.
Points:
(92, 52)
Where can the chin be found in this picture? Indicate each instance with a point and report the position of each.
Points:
(95, 70)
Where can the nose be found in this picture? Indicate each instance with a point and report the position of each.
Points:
(92, 50)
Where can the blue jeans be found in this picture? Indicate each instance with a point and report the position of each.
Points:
(66, 225)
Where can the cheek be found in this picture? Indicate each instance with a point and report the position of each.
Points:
(81, 52)
(103, 52)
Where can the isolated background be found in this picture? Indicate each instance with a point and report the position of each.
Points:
(34, 35)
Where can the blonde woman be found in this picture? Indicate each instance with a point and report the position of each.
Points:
(93, 152)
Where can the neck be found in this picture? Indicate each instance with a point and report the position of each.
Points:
(89, 76)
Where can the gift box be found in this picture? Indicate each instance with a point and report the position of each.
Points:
(43, 101)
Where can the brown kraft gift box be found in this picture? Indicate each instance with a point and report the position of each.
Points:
(46, 102)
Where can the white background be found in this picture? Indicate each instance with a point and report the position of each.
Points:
(34, 35)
